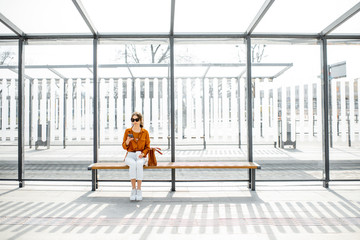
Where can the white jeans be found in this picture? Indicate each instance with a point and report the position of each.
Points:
(136, 169)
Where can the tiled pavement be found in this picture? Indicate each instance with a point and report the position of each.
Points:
(196, 210)
(68, 210)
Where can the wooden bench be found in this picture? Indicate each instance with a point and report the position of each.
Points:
(174, 165)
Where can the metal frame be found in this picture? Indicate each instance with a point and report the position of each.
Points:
(343, 18)
(249, 114)
(96, 114)
(85, 16)
(172, 111)
(248, 35)
(21, 111)
(203, 105)
(58, 68)
(179, 36)
(11, 26)
(172, 93)
(263, 10)
(325, 113)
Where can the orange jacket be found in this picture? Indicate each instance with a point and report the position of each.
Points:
(142, 145)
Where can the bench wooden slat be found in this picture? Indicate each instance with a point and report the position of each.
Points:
(174, 165)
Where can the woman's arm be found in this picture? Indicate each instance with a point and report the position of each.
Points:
(147, 144)
(124, 145)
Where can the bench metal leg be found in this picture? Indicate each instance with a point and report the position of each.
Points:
(249, 182)
(97, 179)
(173, 180)
(93, 179)
(252, 179)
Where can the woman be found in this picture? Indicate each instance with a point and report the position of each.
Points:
(137, 143)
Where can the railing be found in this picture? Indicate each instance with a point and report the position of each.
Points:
(212, 117)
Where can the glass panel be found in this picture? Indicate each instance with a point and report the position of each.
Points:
(208, 81)
(344, 109)
(287, 128)
(43, 16)
(215, 15)
(129, 16)
(137, 81)
(305, 16)
(5, 30)
(351, 26)
(58, 149)
(8, 110)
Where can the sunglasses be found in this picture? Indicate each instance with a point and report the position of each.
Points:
(135, 119)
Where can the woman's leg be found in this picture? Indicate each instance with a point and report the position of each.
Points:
(139, 184)
(130, 160)
(139, 171)
(133, 183)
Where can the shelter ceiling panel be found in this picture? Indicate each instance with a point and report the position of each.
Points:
(302, 16)
(44, 16)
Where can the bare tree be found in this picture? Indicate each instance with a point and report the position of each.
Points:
(6, 56)
(164, 55)
(153, 53)
(257, 53)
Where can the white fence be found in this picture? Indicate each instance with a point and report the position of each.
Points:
(294, 107)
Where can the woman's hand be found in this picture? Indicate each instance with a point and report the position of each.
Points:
(141, 155)
(128, 140)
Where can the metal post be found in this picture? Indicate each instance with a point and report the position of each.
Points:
(330, 107)
(325, 113)
(64, 116)
(95, 116)
(30, 111)
(133, 99)
(203, 107)
(203, 112)
(249, 110)
(239, 114)
(21, 110)
(349, 135)
(172, 110)
(172, 92)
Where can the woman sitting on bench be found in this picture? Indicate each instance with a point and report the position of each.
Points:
(137, 143)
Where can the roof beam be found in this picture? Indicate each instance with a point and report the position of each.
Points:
(343, 18)
(57, 73)
(172, 18)
(11, 26)
(85, 16)
(17, 72)
(265, 7)
(134, 65)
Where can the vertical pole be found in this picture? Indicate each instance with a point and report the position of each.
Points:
(21, 111)
(172, 92)
(133, 95)
(30, 111)
(239, 109)
(249, 110)
(64, 115)
(325, 113)
(203, 112)
(172, 110)
(349, 133)
(95, 116)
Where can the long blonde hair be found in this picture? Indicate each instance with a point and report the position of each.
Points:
(139, 115)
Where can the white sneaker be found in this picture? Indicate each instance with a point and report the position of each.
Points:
(138, 195)
(133, 195)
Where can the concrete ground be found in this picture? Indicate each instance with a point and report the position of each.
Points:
(212, 210)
